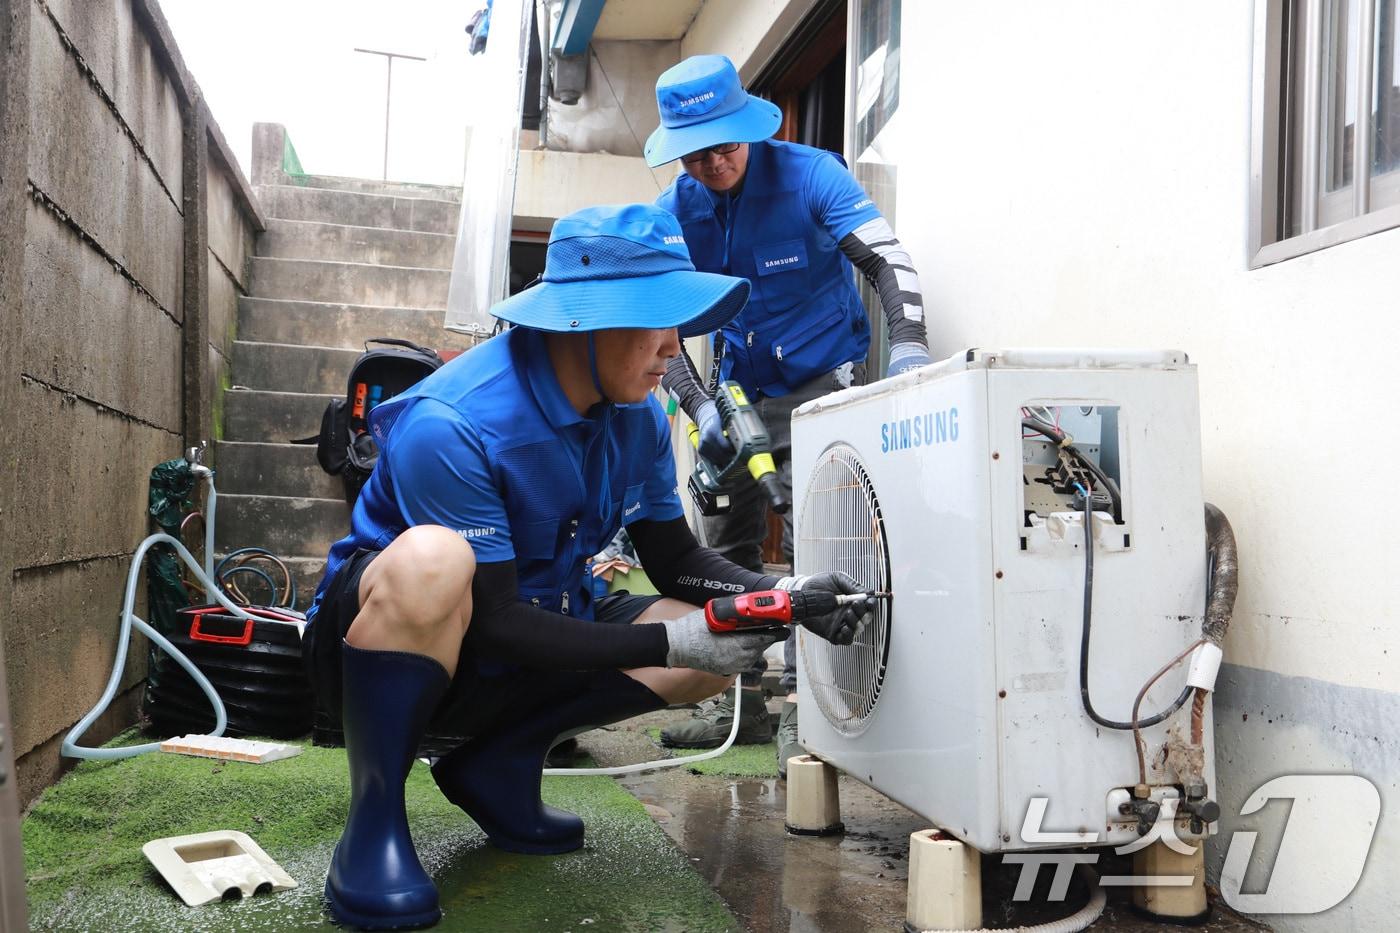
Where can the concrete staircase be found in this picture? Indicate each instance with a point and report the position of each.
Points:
(342, 260)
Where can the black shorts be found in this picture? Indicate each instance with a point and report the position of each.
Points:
(482, 693)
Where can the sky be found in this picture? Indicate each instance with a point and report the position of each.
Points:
(292, 62)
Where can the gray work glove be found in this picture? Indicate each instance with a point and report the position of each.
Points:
(693, 645)
(905, 357)
(714, 445)
(839, 627)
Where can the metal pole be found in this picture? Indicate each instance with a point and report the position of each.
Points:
(388, 97)
(388, 92)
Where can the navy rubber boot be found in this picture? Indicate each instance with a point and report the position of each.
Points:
(376, 881)
(496, 778)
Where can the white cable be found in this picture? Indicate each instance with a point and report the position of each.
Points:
(660, 763)
(1075, 922)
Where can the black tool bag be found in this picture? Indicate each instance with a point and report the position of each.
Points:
(254, 665)
(344, 446)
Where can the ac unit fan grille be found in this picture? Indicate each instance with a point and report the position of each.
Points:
(842, 529)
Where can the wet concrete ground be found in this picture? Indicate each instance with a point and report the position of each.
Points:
(732, 831)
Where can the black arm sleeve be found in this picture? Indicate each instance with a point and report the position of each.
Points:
(505, 629)
(682, 381)
(680, 568)
(877, 261)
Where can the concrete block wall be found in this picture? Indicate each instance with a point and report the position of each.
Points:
(125, 236)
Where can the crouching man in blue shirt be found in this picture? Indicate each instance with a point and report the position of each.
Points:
(498, 476)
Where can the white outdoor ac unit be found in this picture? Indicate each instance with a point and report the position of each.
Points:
(962, 700)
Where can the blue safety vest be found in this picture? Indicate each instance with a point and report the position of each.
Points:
(804, 317)
(490, 447)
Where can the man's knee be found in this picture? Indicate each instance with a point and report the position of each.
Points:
(423, 578)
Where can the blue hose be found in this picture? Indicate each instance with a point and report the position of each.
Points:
(71, 748)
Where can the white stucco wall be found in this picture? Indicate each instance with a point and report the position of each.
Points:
(748, 31)
(1078, 174)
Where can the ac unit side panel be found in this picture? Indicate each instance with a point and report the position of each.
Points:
(1148, 593)
(931, 741)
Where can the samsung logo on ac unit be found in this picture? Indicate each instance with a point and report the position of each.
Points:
(934, 427)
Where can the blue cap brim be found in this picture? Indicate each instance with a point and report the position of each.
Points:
(694, 302)
(757, 120)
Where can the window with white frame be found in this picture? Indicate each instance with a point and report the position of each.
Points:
(1326, 160)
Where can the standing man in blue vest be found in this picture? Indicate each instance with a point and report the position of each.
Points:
(498, 477)
(793, 221)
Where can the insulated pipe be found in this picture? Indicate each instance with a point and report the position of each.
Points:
(1224, 575)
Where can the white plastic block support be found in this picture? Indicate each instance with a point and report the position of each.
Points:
(207, 867)
(945, 883)
(1170, 900)
(229, 749)
(813, 800)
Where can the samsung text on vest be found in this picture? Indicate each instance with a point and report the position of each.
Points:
(934, 427)
(770, 263)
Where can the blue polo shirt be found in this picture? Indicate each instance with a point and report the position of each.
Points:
(782, 233)
(490, 447)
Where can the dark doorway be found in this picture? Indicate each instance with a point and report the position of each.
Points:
(807, 80)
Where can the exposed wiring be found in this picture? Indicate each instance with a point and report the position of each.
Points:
(1066, 443)
(1084, 642)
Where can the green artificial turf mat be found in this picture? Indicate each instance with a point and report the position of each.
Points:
(741, 761)
(86, 871)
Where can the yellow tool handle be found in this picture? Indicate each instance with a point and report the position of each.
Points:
(694, 432)
(761, 465)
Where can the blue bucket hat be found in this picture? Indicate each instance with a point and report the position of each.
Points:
(702, 104)
(623, 266)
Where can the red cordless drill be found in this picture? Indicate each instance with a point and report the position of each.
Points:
(771, 609)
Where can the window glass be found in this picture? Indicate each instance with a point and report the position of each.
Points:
(1385, 113)
(1339, 102)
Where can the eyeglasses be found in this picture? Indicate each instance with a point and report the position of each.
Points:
(699, 155)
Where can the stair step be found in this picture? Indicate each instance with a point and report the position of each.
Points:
(330, 324)
(261, 416)
(288, 526)
(328, 205)
(307, 572)
(281, 367)
(403, 189)
(251, 468)
(349, 282)
(309, 239)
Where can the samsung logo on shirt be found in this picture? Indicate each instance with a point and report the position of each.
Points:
(631, 509)
(672, 240)
(859, 204)
(924, 430)
(698, 99)
(470, 533)
(770, 263)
